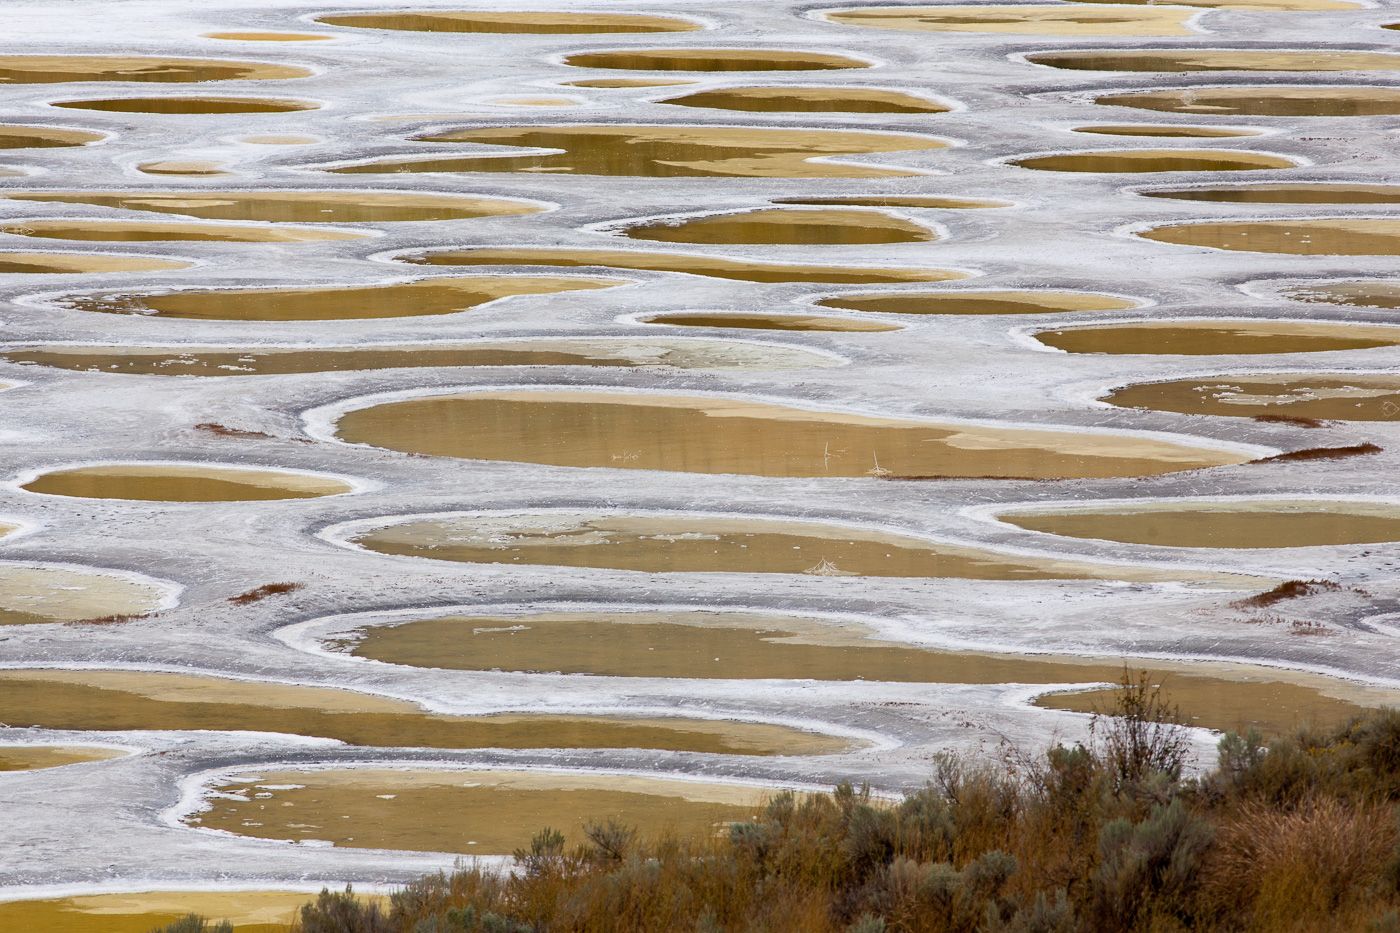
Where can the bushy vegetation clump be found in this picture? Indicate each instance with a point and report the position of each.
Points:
(1296, 834)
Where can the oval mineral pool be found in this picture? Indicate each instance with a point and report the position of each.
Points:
(1163, 130)
(191, 169)
(39, 757)
(1041, 301)
(896, 200)
(714, 60)
(621, 83)
(716, 434)
(138, 231)
(1220, 523)
(786, 227)
(84, 263)
(262, 360)
(702, 543)
(1063, 19)
(144, 911)
(471, 812)
(809, 99)
(713, 266)
(1312, 236)
(333, 303)
(1360, 293)
(59, 69)
(1259, 5)
(653, 151)
(1214, 337)
(24, 136)
(190, 105)
(1187, 59)
(43, 593)
(1272, 193)
(743, 270)
(1267, 100)
(795, 322)
(535, 22)
(177, 482)
(97, 700)
(1156, 160)
(291, 205)
(1308, 396)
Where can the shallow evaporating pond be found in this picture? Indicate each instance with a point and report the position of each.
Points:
(1156, 160)
(1221, 523)
(26, 263)
(179, 482)
(664, 152)
(690, 543)
(786, 226)
(1310, 236)
(96, 700)
(59, 69)
(144, 231)
(144, 911)
(1269, 100)
(41, 593)
(190, 105)
(1183, 60)
(715, 434)
(945, 202)
(1213, 338)
(743, 270)
(1274, 193)
(39, 757)
(1044, 301)
(761, 321)
(808, 99)
(1062, 19)
(1362, 293)
(23, 136)
(347, 206)
(1341, 396)
(715, 60)
(333, 303)
(470, 812)
(533, 22)
(1164, 130)
(274, 361)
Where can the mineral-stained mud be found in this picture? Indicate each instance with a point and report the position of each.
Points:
(1064, 19)
(980, 302)
(1269, 100)
(175, 482)
(44, 593)
(700, 434)
(80, 263)
(1182, 60)
(128, 700)
(1327, 396)
(60, 69)
(811, 322)
(621, 83)
(292, 205)
(1312, 236)
(743, 270)
(144, 911)
(333, 303)
(809, 99)
(24, 136)
(190, 169)
(1156, 160)
(689, 543)
(470, 812)
(1362, 293)
(1276, 193)
(1259, 5)
(715, 60)
(268, 36)
(277, 361)
(142, 231)
(38, 757)
(1222, 523)
(538, 23)
(786, 227)
(190, 105)
(1163, 130)
(657, 151)
(1211, 338)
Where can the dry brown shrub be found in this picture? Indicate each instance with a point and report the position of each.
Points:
(263, 592)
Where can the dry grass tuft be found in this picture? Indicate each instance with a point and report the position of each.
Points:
(1323, 453)
(223, 430)
(258, 593)
(1288, 589)
(1295, 420)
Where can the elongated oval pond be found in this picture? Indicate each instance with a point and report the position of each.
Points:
(786, 227)
(537, 22)
(1361, 293)
(43, 593)
(1339, 396)
(96, 700)
(715, 434)
(177, 482)
(654, 151)
(808, 99)
(275, 361)
(1220, 523)
(191, 169)
(946, 202)
(1156, 160)
(345, 206)
(144, 231)
(1313, 6)
(1267, 100)
(333, 303)
(190, 105)
(1063, 19)
(144, 911)
(1187, 59)
(808, 322)
(1041, 301)
(1273, 193)
(705, 644)
(720, 267)
(59, 69)
(1310, 236)
(1215, 338)
(31, 263)
(39, 757)
(470, 812)
(1163, 130)
(24, 136)
(715, 60)
(691, 543)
